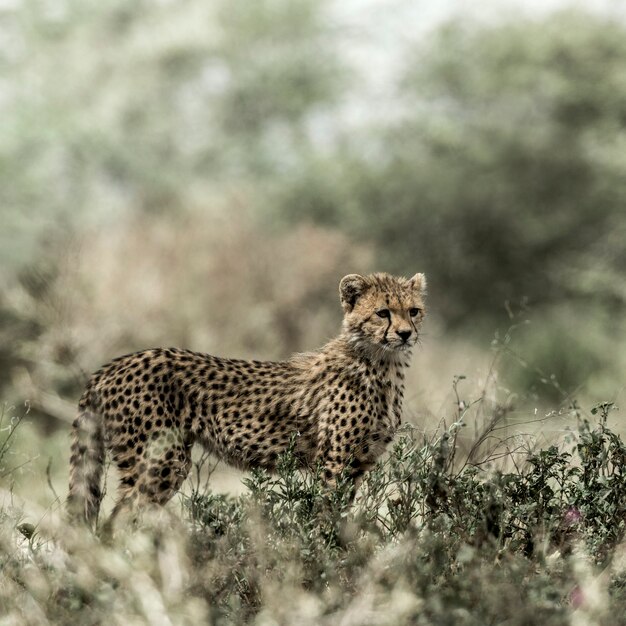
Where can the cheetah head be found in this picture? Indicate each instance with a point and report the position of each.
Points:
(382, 313)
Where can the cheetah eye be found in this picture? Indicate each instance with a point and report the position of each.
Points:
(383, 313)
(413, 312)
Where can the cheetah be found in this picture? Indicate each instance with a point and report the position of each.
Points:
(338, 407)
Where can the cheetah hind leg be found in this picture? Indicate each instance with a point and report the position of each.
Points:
(143, 495)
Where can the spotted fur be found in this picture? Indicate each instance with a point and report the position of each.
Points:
(342, 403)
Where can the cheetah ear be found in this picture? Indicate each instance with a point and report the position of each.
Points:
(351, 288)
(418, 282)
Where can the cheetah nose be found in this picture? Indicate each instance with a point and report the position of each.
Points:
(403, 334)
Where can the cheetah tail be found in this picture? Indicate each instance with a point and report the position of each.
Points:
(86, 464)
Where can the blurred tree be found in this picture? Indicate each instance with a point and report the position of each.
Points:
(499, 170)
(505, 175)
(131, 105)
(118, 110)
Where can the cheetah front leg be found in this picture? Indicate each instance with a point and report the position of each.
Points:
(346, 453)
(353, 468)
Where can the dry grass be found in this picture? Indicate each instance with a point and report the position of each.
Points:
(427, 554)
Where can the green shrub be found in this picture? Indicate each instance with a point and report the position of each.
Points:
(440, 533)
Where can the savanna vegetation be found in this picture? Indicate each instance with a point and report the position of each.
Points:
(201, 174)
(442, 532)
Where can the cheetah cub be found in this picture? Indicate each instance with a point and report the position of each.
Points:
(343, 403)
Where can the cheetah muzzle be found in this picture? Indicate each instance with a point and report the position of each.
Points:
(344, 401)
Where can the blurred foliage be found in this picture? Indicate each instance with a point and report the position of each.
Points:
(131, 174)
(148, 106)
(504, 177)
(560, 353)
(498, 168)
(438, 535)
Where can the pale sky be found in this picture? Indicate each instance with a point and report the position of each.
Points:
(375, 34)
